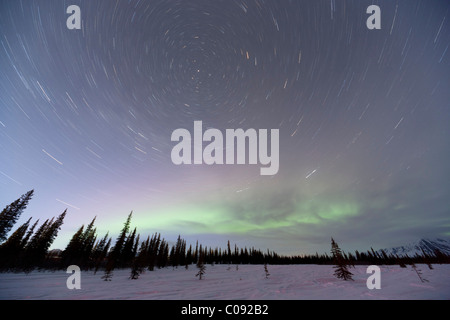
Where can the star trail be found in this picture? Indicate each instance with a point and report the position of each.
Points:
(86, 118)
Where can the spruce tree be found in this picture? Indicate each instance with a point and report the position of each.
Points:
(151, 256)
(188, 256)
(88, 247)
(27, 237)
(11, 213)
(201, 267)
(53, 230)
(163, 254)
(172, 257)
(195, 258)
(118, 247)
(341, 270)
(88, 239)
(266, 271)
(79, 249)
(138, 263)
(36, 249)
(31, 250)
(49, 237)
(115, 254)
(126, 255)
(72, 252)
(12, 248)
(96, 249)
(101, 252)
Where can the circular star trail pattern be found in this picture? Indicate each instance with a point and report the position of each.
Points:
(86, 118)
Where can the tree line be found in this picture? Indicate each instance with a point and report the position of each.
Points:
(27, 248)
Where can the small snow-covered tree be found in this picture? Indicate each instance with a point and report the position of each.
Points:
(341, 268)
(266, 271)
(201, 268)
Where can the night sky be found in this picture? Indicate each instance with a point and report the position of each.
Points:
(86, 118)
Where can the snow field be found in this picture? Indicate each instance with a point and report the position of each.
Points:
(224, 282)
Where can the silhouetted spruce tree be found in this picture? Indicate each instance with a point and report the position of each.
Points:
(172, 257)
(126, 255)
(29, 258)
(182, 252)
(195, 257)
(50, 236)
(28, 235)
(245, 256)
(189, 256)
(72, 253)
(138, 263)
(88, 248)
(211, 256)
(12, 248)
(88, 239)
(11, 213)
(115, 253)
(341, 271)
(101, 251)
(201, 267)
(36, 249)
(118, 247)
(163, 254)
(152, 252)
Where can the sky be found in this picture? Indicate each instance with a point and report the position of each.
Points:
(87, 115)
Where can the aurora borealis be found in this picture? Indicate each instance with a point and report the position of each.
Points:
(86, 118)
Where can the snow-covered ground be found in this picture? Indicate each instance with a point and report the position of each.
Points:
(222, 282)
